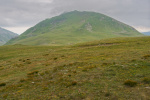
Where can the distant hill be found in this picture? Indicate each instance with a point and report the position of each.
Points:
(6, 35)
(146, 33)
(74, 27)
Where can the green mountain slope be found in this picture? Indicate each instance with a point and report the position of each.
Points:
(74, 27)
(89, 71)
(5, 36)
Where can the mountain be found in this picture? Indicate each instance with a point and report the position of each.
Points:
(6, 35)
(146, 33)
(74, 27)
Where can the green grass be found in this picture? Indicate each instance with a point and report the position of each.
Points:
(95, 70)
(74, 27)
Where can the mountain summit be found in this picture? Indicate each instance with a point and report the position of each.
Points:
(6, 35)
(74, 27)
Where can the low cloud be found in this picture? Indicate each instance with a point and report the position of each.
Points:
(142, 29)
(26, 13)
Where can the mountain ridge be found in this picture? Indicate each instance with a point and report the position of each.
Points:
(74, 27)
(6, 35)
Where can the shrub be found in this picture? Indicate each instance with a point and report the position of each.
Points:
(105, 64)
(2, 84)
(18, 65)
(69, 75)
(55, 58)
(107, 94)
(5, 96)
(22, 80)
(20, 59)
(146, 80)
(146, 56)
(45, 54)
(133, 60)
(84, 70)
(55, 69)
(28, 62)
(62, 56)
(33, 72)
(74, 83)
(74, 71)
(130, 83)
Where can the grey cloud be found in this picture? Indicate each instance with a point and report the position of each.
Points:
(28, 13)
(133, 12)
(24, 13)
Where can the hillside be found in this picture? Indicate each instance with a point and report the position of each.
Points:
(74, 27)
(109, 69)
(6, 35)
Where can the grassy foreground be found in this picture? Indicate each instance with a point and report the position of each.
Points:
(100, 70)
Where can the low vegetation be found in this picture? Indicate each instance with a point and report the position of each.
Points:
(2, 84)
(115, 69)
(146, 80)
(130, 83)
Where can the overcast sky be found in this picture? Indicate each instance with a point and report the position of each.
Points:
(19, 15)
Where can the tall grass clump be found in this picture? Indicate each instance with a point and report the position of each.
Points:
(2, 84)
(146, 80)
(130, 83)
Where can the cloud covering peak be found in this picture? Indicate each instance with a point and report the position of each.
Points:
(26, 13)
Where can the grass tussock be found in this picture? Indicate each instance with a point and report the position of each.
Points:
(2, 84)
(22, 80)
(33, 72)
(130, 83)
(146, 80)
(146, 56)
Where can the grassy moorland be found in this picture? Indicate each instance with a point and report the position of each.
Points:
(99, 70)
